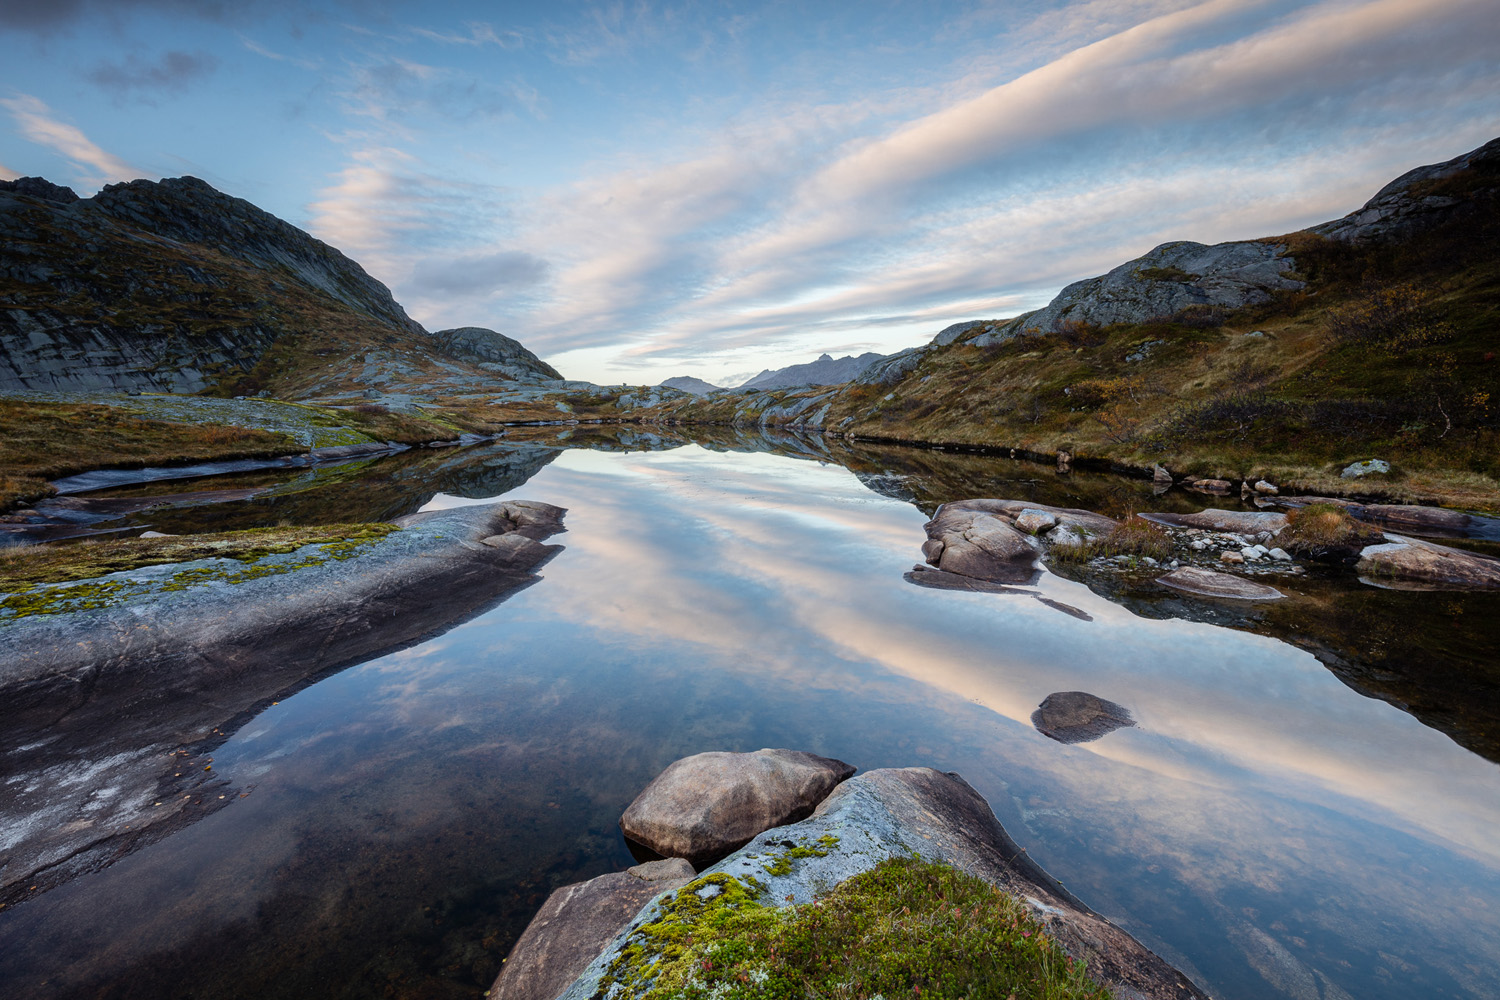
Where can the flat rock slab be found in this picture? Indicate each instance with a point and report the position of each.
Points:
(1410, 564)
(892, 813)
(95, 704)
(576, 923)
(704, 806)
(1207, 583)
(1209, 519)
(1078, 717)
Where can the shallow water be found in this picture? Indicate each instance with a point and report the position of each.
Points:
(390, 829)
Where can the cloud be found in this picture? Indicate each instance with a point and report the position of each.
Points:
(261, 50)
(172, 73)
(480, 33)
(395, 90)
(1066, 170)
(52, 15)
(7, 174)
(36, 123)
(481, 275)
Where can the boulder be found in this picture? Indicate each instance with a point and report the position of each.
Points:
(1411, 564)
(1369, 467)
(1160, 476)
(1412, 517)
(1208, 583)
(1035, 522)
(576, 923)
(977, 544)
(1237, 521)
(896, 813)
(1221, 487)
(1078, 717)
(704, 806)
(1086, 521)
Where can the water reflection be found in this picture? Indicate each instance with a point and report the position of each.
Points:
(1263, 826)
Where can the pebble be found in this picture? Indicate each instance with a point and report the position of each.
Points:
(1281, 555)
(1232, 557)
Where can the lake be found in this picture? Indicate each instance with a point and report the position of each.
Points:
(1275, 823)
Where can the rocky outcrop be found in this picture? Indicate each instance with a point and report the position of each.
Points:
(897, 813)
(702, 807)
(174, 286)
(1209, 583)
(977, 544)
(1421, 198)
(1412, 564)
(1171, 281)
(102, 707)
(824, 371)
(686, 383)
(482, 346)
(1213, 519)
(576, 923)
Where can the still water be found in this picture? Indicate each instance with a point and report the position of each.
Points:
(391, 829)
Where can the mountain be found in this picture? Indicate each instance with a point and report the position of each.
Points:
(687, 383)
(824, 371)
(175, 286)
(1293, 357)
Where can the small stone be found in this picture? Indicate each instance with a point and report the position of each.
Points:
(1249, 554)
(1198, 544)
(1147, 560)
(1035, 522)
(156, 534)
(1261, 486)
(1280, 555)
(1231, 557)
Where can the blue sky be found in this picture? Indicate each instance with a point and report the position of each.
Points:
(638, 190)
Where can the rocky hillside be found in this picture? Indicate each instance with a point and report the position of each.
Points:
(1371, 336)
(686, 383)
(824, 371)
(179, 287)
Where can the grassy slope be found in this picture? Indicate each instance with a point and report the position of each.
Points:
(41, 440)
(1296, 404)
(190, 294)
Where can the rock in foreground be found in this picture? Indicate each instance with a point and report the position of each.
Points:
(576, 923)
(1411, 564)
(895, 814)
(704, 806)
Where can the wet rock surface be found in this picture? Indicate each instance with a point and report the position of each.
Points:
(1078, 717)
(702, 807)
(890, 813)
(576, 923)
(1207, 583)
(1410, 563)
(131, 693)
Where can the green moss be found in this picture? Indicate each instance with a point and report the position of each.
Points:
(905, 928)
(781, 863)
(65, 579)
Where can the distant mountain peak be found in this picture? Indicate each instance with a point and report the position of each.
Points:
(826, 370)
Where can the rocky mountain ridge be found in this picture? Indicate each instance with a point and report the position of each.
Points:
(175, 286)
(826, 370)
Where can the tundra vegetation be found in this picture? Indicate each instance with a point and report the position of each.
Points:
(906, 928)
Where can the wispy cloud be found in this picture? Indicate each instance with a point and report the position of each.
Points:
(261, 50)
(7, 174)
(774, 233)
(172, 73)
(479, 33)
(37, 123)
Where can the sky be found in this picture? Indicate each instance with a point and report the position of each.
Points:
(637, 190)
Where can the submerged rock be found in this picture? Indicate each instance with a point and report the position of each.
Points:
(1078, 717)
(1207, 583)
(576, 923)
(704, 806)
